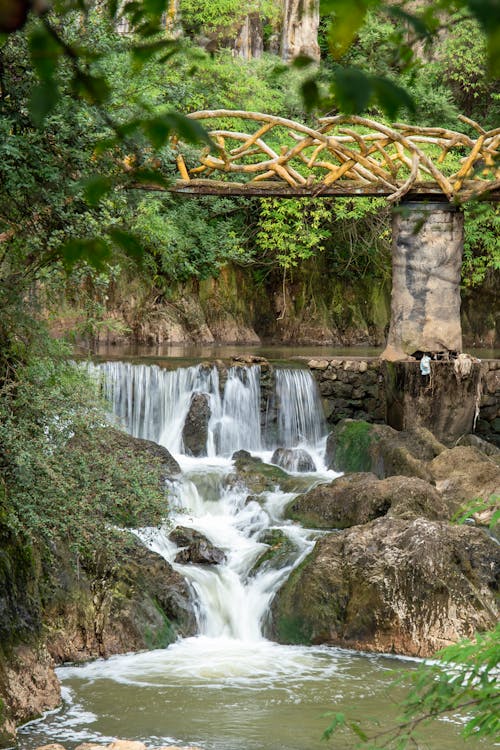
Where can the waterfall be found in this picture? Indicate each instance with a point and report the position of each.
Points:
(153, 403)
(300, 416)
(231, 598)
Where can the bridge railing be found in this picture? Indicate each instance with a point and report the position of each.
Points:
(343, 155)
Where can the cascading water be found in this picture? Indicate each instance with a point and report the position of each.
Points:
(153, 403)
(228, 688)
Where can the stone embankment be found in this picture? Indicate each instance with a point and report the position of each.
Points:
(394, 393)
(116, 745)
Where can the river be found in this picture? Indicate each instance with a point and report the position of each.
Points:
(229, 687)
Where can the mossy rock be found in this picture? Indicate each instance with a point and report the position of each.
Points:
(355, 445)
(260, 477)
(280, 553)
(406, 586)
(360, 497)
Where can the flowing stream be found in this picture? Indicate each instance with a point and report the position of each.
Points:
(228, 687)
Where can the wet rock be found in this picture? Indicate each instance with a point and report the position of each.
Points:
(197, 548)
(140, 602)
(293, 459)
(476, 442)
(361, 497)
(195, 430)
(354, 445)
(126, 745)
(464, 474)
(392, 585)
(259, 477)
(280, 553)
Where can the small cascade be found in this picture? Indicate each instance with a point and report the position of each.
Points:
(231, 601)
(232, 597)
(239, 423)
(300, 416)
(153, 403)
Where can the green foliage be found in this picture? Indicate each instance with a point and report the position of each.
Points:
(291, 230)
(67, 477)
(481, 243)
(410, 32)
(491, 507)
(184, 239)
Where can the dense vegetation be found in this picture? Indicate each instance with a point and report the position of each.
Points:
(76, 137)
(66, 197)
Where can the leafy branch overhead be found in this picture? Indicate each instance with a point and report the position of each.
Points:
(353, 89)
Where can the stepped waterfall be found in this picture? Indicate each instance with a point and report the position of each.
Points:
(231, 601)
(228, 687)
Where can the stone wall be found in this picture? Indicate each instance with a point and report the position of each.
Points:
(358, 388)
(351, 388)
(488, 423)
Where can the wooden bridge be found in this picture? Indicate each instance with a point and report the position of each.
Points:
(265, 155)
(425, 173)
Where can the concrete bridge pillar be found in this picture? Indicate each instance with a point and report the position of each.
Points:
(427, 246)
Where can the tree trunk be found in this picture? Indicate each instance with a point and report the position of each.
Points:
(300, 29)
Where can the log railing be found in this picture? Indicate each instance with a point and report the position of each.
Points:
(344, 155)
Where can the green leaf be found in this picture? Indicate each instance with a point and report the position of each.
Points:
(349, 17)
(189, 130)
(144, 52)
(128, 242)
(43, 100)
(95, 188)
(94, 251)
(92, 88)
(392, 97)
(149, 177)
(358, 731)
(352, 89)
(45, 53)
(310, 94)
(155, 7)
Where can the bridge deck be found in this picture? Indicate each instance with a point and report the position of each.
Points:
(252, 153)
(420, 191)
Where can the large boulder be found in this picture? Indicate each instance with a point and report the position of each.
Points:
(196, 548)
(293, 459)
(121, 445)
(466, 473)
(195, 430)
(138, 602)
(354, 445)
(392, 585)
(357, 498)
